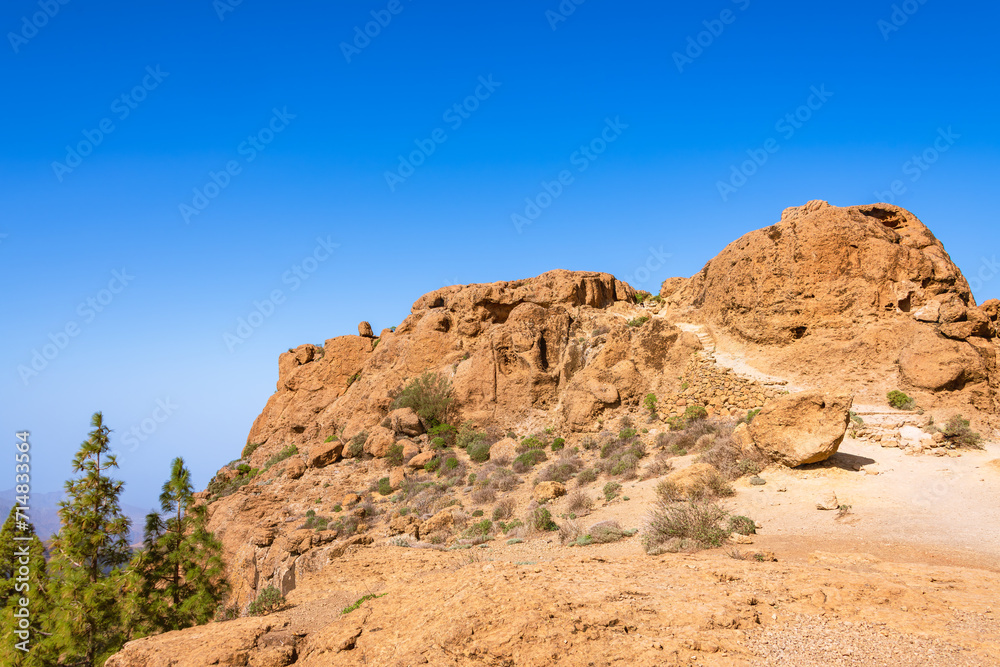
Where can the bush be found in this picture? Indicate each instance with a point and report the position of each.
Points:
(429, 395)
(586, 477)
(541, 519)
(528, 460)
(751, 414)
(608, 531)
(249, 449)
(650, 403)
(269, 600)
(957, 431)
(287, 452)
(438, 443)
(432, 465)
(694, 413)
(743, 525)
(479, 451)
(611, 490)
(483, 495)
(395, 455)
(384, 487)
(899, 400)
(578, 501)
(560, 471)
(639, 321)
(686, 526)
(504, 509)
(445, 433)
(529, 443)
(558, 444)
(357, 445)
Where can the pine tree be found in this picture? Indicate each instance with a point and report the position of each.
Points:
(88, 554)
(20, 547)
(180, 567)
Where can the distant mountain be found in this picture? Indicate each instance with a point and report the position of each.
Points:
(44, 513)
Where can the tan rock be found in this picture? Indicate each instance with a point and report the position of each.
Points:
(545, 491)
(932, 362)
(324, 454)
(420, 460)
(938, 437)
(365, 329)
(396, 477)
(380, 439)
(828, 501)
(694, 476)
(929, 312)
(295, 468)
(443, 520)
(406, 422)
(350, 499)
(263, 536)
(504, 449)
(802, 428)
(410, 449)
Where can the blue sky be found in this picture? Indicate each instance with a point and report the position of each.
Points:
(213, 153)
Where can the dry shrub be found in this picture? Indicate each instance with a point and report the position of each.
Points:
(504, 479)
(570, 531)
(659, 466)
(483, 495)
(504, 509)
(579, 502)
(685, 526)
(731, 461)
(687, 440)
(562, 470)
(608, 531)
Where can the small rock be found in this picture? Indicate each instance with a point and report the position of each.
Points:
(757, 481)
(365, 330)
(828, 501)
(548, 491)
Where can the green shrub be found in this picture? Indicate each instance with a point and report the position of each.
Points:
(357, 445)
(751, 414)
(354, 378)
(650, 403)
(529, 459)
(338, 508)
(639, 321)
(541, 519)
(395, 455)
(269, 600)
(468, 436)
(957, 431)
(479, 451)
(384, 487)
(530, 442)
(858, 420)
(249, 449)
(899, 400)
(445, 432)
(483, 528)
(438, 443)
(695, 412)
(627, 433)
(641, 296)
(429, 395)
(676, 423)
(432, 465)
(743, 525)
(330, 438)
(451, 463)
(478, 513)
(611, 490)
(586, 477)
(558, 444)
(360, 601)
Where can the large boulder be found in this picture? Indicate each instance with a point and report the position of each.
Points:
(379, 441)
(929, 361)
(406, 422)
(801, 428)
(324, 454)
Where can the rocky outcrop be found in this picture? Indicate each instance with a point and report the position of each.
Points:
(836, 295)
(801, 428)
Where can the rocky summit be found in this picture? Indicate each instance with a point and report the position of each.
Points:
(511, 474)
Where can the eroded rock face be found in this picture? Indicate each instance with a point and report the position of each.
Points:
(801, 428)
(829, 295)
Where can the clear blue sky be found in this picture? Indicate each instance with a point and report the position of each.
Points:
(309, 129)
